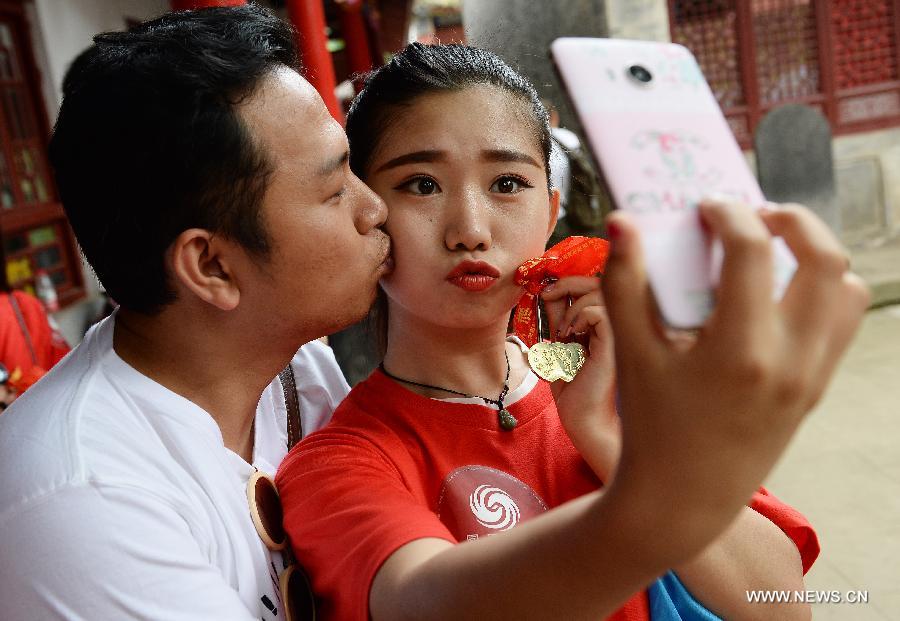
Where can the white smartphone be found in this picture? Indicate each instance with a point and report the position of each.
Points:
(662, 144)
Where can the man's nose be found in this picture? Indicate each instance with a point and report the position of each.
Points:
(371, 211)
(468, 225)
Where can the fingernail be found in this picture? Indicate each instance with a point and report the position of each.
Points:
(702, 215)
(613, 232)
(549, 288)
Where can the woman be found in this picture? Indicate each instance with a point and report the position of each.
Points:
(421, 457)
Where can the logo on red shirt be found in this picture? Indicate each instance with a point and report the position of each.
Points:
(477, 501)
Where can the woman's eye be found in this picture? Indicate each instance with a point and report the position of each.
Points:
(421, 185)
(509, 185)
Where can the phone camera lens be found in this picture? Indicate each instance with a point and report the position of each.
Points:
(640, 73)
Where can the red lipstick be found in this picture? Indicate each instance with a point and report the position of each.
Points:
(473, 275)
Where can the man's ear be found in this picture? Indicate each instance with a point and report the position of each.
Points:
(200, 264)
(554, 211)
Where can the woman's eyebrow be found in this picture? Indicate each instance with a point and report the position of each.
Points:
(416, 157)
(508, 155)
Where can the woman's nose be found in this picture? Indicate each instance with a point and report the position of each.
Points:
(468, 226)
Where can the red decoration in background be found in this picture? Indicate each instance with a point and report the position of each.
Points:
(308, 18)
(573, 256)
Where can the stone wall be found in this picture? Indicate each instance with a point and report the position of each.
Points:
(867, 167)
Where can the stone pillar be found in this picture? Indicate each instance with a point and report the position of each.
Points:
(794, 160)
(520, 32)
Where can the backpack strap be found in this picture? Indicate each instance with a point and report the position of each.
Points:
(26, 334)
(291, 405)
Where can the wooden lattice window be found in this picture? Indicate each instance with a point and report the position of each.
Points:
(787, 51)
(34, 231)
(865, 59)
(840, 56)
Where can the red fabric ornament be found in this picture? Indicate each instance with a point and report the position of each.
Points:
(573, 256)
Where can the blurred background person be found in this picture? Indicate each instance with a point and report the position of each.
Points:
(29, 342)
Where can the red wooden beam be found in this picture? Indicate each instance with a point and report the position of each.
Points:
(896, 8)
(825, 40)
(359, 57)
(746, 39)
(183, 5)
(308, 17)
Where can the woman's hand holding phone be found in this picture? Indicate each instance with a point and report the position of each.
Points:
(706, 416)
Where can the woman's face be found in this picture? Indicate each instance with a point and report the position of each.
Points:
(464, 180)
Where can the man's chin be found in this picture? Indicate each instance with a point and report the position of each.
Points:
(352, 315)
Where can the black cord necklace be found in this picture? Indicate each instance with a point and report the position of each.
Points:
(507, 420)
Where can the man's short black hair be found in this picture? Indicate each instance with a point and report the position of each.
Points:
(148, 143)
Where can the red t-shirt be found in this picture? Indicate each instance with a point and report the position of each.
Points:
(394, 466)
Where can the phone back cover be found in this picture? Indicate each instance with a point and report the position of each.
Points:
(661, 147)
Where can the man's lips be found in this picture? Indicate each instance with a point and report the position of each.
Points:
(387, 263)
(473, 275)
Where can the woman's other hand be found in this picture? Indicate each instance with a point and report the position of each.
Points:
(586, 404)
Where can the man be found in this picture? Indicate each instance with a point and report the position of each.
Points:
(209, 189)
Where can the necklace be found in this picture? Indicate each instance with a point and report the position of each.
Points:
(507, 420)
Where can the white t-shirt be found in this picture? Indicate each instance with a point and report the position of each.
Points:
(119, 500)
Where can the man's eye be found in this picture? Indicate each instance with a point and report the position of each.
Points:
(509, 185)
(421, 185)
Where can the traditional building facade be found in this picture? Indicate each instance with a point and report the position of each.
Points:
(841, 57)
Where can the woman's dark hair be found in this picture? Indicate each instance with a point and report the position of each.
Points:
(418, 70)
(148, 143)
